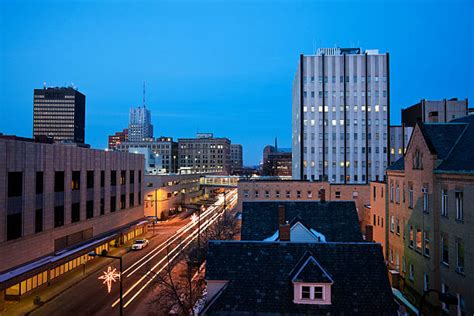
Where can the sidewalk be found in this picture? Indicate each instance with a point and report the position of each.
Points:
(26, 305)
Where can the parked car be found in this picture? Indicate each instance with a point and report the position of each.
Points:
(140, 244)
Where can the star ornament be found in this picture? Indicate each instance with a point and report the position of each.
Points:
(111, 275)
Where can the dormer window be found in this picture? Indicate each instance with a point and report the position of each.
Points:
(313, 293)
(311, 283)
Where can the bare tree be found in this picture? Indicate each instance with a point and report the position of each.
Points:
(180, 285)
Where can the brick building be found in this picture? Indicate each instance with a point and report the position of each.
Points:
(118, 138)
(430, 215)
(55, 197)
(300, 190)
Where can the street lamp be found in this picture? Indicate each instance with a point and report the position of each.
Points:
(174, 164)
(105, 255)
(446, 298)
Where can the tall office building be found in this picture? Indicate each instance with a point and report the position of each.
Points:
(118, 138)
(204, 154)
(340, 115)
(236, 156)
(139, 126)
(59, 113)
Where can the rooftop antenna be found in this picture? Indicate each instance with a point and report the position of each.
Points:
(143, 93)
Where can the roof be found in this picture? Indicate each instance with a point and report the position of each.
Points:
(310, 271)
(260, 275)
(453, 144)
(336, 220)
(398, 165)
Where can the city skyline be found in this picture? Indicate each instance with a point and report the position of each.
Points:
(245, 67)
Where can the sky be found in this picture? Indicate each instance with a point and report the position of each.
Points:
(224, 67)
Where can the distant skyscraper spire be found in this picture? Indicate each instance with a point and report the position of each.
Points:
(276, 144)
(143, 93)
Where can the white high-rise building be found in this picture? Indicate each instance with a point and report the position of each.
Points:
(139, 126)
(340, 116)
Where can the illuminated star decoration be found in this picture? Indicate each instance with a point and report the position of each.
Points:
(111, 275)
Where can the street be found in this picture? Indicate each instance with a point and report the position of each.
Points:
(90, 296)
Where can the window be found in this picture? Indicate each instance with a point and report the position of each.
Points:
(122, 201)
(90, 209)
(312, 292)
(102, 206)
(426, 243)
(305, 292)
(412, 239)
(392, 223)
(14, 225)
(461, 304)
(298, 194)
(418, 239)
(410, 196)
(391, 191)
(412, 272)
(75, 212)
(267, 194)
(39, 220)
(397, 194)
(15, 184)
(277, 193)
(256, 193)
(426, 282)
(140, 176)
(132, 176)
(318, 292)
(76, 180)
(131, 199)
(288, 194)
(102, 178)
(459, 256)
(113, 204)
(397, 221)
(338, 194)
(424, 190)
(39, 182)
(445, 249)
(417, 159)
(113, 177)
(246, 193)
(59, 216)
(459, 206)
(444, 202)
(444, 289)
(90, 179)
(123, 177)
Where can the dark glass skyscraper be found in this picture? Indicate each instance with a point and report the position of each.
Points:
(59, 113)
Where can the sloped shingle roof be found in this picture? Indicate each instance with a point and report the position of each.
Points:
(336, 220)
(259, 275)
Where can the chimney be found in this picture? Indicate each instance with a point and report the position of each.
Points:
(284, 232)
(322, 195)
(369, 233)
(281, 214)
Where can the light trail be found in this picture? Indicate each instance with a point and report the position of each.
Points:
(157, 250)
(191, 237)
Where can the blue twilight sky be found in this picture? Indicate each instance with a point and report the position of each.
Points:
(219, 66)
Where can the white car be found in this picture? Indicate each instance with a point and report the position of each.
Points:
(140, 244)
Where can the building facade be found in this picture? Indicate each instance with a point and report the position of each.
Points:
(59, 113)
(236, 156)
(164, 148)
(118, 138)
(139, 125)
(399, 137)
(435, 111)
(205, 154)
(276, 161)
(430, 219)
(167, 193)
(55, 197)
(340, 116)
(296, 190)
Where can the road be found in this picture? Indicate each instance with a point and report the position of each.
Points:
(90, 296)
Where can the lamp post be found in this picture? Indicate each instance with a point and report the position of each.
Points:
(105, 255)
(174, 164)
(446, 298)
